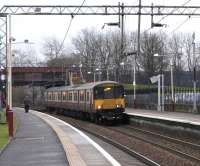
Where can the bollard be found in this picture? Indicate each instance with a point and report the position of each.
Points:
(10, 123)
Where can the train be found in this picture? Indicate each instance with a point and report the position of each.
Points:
(97, 101)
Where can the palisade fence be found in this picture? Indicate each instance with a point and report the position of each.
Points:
(148, 99)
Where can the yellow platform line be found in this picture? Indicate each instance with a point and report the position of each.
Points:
(72, 153)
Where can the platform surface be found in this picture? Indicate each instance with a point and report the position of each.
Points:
(42, 140)
(189, 118)
(35, 144)
(80, 149)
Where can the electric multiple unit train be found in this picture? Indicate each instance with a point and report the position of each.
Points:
(98, 101)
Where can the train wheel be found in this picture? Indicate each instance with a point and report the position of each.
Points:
(125, 119)
(93, 117)
(97, 119)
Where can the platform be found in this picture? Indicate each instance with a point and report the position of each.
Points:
(35, 144)
(44, 140)
(185, 118)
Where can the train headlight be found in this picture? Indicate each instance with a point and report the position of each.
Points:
(99, 107)
(118, 106)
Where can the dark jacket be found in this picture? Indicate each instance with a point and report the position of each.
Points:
(27, 101)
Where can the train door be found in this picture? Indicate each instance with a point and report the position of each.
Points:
(87, 99)
(91, 100)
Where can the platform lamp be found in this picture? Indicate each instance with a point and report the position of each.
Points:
(162, 83)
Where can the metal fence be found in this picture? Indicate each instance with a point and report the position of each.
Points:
(183, 100)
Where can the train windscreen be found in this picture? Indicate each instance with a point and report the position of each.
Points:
(109, 92)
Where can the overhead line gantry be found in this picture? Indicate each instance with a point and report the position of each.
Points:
(148, 10)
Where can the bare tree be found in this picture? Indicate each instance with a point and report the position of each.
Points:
(188, 50)
(175, 51)
(24, 58)
(152, 44)
(98, 50)
(87, 45)
(54, 52)
(64, 61)
(52, 48)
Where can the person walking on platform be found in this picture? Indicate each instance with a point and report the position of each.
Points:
(26, 104)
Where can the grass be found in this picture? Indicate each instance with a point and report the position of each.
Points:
(3, 135)
(4, 132)
(138, 86)
(145, 87)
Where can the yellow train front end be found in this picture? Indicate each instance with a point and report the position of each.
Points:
(109, 103)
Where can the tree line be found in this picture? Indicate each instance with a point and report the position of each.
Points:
(105, 51)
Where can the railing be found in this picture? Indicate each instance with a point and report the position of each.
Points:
(183, 100)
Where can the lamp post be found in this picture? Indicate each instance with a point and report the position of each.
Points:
(172, 84)
(9, 67)
(162, 86)
(96, 70)
(194, 75)
(122, 64)
(171, 80)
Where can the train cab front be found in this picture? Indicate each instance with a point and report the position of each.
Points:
(109, 101)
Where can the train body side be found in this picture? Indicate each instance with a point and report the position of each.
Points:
(101, 100)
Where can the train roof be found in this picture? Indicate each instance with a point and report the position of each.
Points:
(81, 86)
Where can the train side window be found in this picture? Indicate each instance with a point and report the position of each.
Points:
(81, 96)
(53, 96)
(99, 93)
(70, 96)
(119, 91)
(75, 96)
(67, 96)
(87, 96)
(56, 96)
(49, 96)
(64, 96)
(59, 96)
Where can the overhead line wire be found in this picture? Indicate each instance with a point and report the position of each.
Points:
(173, 11)
(168, 15)
(72, 16)
(181, 24)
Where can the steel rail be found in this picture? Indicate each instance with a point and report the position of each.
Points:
(177, 152)
(174, 140)
(127, 150)
(121, 147)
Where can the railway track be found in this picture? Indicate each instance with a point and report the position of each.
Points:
(166, 146)
(145, 150)
(78, 124)
(174, 140)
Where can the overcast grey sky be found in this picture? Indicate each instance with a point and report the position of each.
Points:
(36, 28)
